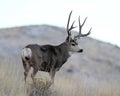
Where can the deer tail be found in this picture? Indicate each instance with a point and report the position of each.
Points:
(26, 54)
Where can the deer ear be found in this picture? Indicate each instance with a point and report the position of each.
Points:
(43, 49)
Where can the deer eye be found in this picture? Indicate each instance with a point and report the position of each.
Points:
(73, 44)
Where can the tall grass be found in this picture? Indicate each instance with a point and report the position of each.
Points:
(12, 84)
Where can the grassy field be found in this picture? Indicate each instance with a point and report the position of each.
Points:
(12, 84)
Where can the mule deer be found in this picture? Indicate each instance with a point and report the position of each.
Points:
(50, 58)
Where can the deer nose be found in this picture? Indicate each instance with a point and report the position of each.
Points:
(81, 50)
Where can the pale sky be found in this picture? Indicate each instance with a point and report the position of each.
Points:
(103, 15)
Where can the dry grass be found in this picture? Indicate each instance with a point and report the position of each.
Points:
(10, 81)
(12, 84)
(67, 87)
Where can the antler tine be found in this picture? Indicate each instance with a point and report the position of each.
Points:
(83, 21)
(80, 28)
(68, 23)
(71, 27)
(83, 35)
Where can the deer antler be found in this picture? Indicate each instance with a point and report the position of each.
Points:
(80, 29)
(72, 27)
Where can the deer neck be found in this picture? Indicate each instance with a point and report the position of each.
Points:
(66, 46)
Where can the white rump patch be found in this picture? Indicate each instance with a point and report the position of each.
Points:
(26, 52)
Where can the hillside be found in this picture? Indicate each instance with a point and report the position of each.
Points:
(100, 61)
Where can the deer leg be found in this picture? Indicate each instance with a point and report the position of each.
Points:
(26, 68)
(52, 75)
(34, 73)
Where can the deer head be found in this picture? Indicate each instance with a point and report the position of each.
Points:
(73, 41)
